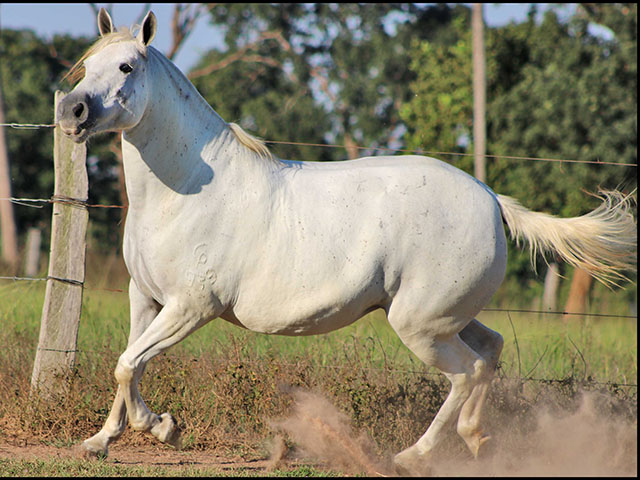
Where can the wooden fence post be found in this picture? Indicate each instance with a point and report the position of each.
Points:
(57, 346)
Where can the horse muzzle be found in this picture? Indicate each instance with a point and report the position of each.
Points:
(73, 117)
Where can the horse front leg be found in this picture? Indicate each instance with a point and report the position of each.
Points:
(143, 311)
(170, 326)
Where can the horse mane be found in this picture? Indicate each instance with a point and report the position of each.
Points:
(124, 34)
(76, 73)
(252, 143)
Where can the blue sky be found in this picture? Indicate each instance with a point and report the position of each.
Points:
(47, 19)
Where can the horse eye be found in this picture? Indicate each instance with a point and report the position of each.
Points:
(126, 68)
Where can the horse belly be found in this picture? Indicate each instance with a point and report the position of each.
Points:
(311, 301)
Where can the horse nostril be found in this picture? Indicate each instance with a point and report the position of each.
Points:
(78, 109)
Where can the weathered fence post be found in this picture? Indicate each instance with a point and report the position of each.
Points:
(57, 346)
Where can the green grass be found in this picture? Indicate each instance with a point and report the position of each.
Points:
(225, 384)
(600, 348)
(56, 467)
(596, 348)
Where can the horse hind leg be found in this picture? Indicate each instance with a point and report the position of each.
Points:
(464, 368)
(488, 344)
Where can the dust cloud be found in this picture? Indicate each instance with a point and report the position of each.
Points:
(323, 433)
(582, 441)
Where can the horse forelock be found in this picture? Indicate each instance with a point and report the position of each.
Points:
(124, 34)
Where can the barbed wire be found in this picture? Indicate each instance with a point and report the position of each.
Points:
(58, 199)
(549, 312)
(569, 380)
(27, 126)
(431, 152)
(566, 380)
(85, 204)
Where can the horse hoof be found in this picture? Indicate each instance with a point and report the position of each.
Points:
(411, 463)
(91, 452)
(167, 431)
(476, 441)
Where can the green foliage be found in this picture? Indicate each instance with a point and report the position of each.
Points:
(30, 73)
(316, 73)
(261, 87)
(554, 90)
(441, 109)
(572, 100)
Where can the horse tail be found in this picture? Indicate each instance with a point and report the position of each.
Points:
(602, 242)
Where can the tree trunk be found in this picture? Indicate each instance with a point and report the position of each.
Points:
(32, 254)
(7, 219)
(479, 93)
(350, 145)
(578, 294)
(551, 284)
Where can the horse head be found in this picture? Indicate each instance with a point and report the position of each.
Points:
(111, 95)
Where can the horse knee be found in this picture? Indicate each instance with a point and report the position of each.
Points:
(124, 371)
(464, 383)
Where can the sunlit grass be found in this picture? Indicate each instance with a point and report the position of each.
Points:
(598, 348)
(225, 383)
(536, 346)
(56, 467)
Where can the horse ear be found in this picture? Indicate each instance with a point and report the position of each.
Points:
(105, 25)
(148, 29)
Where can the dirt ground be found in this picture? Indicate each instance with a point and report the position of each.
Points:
(587, 441)
(150, 456)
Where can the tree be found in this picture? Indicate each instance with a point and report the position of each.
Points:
(316, 73)
(30, 72)
(554, 90)
(571, 100)
(440, 112)
(9, 240)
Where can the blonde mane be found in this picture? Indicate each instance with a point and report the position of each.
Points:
(252, 143)
(124, 34)
(76, 73)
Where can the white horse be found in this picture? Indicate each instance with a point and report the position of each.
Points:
(218, 227)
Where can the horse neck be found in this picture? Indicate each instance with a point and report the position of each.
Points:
(175, 141)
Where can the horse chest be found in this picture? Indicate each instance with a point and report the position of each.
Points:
(168, 260)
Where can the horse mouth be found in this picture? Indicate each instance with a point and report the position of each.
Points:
(76, 133)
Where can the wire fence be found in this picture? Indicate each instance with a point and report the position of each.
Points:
(27, 126)
(27, 202)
